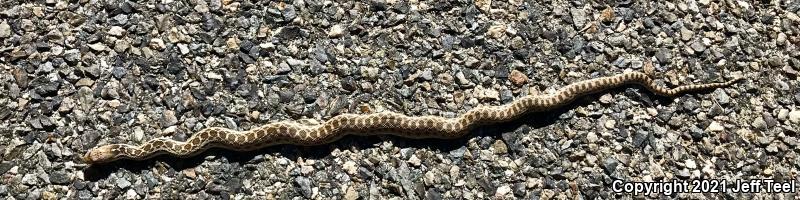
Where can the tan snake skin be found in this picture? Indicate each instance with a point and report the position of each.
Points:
(288, 132)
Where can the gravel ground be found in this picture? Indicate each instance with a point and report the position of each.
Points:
(76, 74)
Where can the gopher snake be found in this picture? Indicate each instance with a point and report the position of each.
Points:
(385, 122)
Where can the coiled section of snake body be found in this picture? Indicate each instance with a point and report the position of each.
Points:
(289, 132)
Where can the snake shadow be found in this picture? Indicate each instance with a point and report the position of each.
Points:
(533, 120)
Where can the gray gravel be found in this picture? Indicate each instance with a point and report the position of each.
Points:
(81, 74)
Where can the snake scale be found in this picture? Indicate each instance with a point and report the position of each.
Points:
(288, 132)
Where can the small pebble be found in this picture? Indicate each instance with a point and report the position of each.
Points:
(518, 78)
(715, 127)
(689, 163)
(610, 124)
(336, 30)
(415, 161)
(794, 117)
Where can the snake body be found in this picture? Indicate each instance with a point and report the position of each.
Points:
(288, 132)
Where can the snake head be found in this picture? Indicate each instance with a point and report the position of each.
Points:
(102, 154)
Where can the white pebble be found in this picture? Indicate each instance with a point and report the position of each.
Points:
(783, 114)
(690, 164)
(794, 116)
(502, 191)
(415, 161)
(212, 75)
(715, 127)
(116, 31)
(591, 137)
(610, 124)
(336, 31)
(350, 167)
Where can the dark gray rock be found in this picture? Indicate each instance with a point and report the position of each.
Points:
(210, 22)
(291, 33)
(59, 178)
(5, 166)
(690, 104)
(289, 13)
(118, 72)
(769, 120)
(698, 47)
(47, 88)
(639, 138)
(610, 165)
(283, 68)
(286, 96)
(245, 58)
(432, 194)
(664, 56)
(304, 186)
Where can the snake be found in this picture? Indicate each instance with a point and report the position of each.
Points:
(392, 123)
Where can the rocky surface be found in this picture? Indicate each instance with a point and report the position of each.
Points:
(77, 74)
